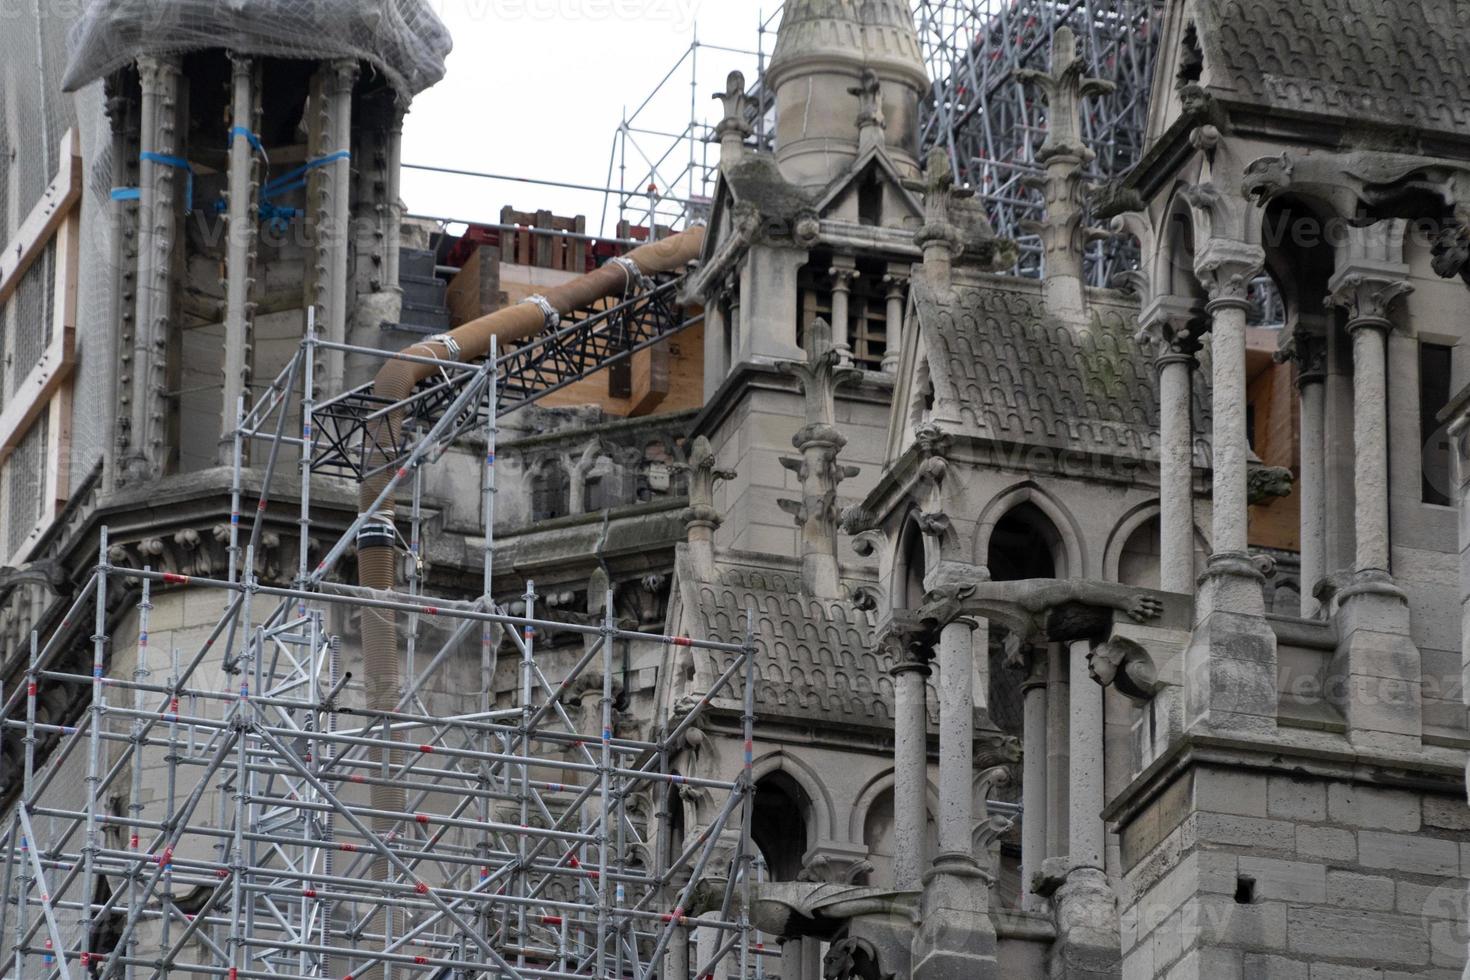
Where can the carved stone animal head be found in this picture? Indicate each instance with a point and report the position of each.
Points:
(1266, 177)
(1125, 666)
(853, 959)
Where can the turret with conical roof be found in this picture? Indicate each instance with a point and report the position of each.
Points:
(821, 50)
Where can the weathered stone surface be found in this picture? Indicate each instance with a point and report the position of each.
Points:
(1413, 854)
(1287, 881)
(1222, 791)
(1346, 934)
(1348, 889)
(1296, 798)
(1367, 806)
(1253, 832)
(1264, 966)
(1327, 843)
(1448, 813)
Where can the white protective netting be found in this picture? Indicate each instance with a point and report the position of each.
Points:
(404, 39)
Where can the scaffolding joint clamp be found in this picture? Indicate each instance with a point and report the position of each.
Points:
(548, 312)
(377, 531)
(450, 345)
(631, 270)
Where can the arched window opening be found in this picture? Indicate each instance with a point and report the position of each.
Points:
(1139, 561)
(779, 825)
(1024, 544)
(910, 581)
(878, 827)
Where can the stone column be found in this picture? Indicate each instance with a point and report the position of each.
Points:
(1309, 351)
(956, 745)
(1376, 662)
(1085, 830)
(1171, 327)
(241, 227)
(1086, 910)
(1058, 762)
(159, 189)
(842, 279)
(676, 962)
(1226, 268)
(791, 965)
(1033, 779)
(706, 943)
(897, 290)
(1230, 663)
(1366, 298)
(910, 762)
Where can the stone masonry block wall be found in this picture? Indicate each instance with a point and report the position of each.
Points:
(1282, 875)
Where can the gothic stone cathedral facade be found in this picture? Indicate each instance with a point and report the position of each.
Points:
(1060, 675)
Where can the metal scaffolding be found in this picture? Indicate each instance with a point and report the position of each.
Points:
(533, 844)
(991, 123)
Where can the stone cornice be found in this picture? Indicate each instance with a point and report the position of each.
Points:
(1439, 771)
(874, 388)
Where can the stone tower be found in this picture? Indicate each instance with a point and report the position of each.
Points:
(823, 48)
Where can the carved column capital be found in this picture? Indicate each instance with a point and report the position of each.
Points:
(896, 284)
(1226, 269)
(843, 277)
(1308, 351)
(908, 644)
(1170, 328)
(1366, 293)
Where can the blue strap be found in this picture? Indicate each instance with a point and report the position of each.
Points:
(296, 178)
(178, 163)
(126, 194)
(279, 218)
(250, 138)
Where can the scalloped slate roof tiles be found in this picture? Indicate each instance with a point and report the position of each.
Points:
(817, 659)
(1021, 376)
(1399, 62)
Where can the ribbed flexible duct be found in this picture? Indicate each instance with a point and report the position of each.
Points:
(377, 553)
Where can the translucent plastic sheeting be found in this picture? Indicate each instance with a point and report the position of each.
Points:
(404, 39)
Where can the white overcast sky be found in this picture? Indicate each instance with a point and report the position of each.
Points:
(536, 88)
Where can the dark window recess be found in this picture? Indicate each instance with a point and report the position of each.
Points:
(1250, 426)
(1434, 394)
(550, 492)
(1245, 890)
(620, 379)
(870, 201)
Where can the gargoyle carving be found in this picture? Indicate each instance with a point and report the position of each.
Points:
(793, 909)
(864, 597)
(1267, 483)
(1023, 607)
(860, 525)
(1125, 666)
(853, 958)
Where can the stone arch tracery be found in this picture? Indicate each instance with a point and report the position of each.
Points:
(871, 824)
(1136, 527)
(819, 817)
(1069, 561)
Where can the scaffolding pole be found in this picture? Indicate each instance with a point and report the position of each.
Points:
(245, 842)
